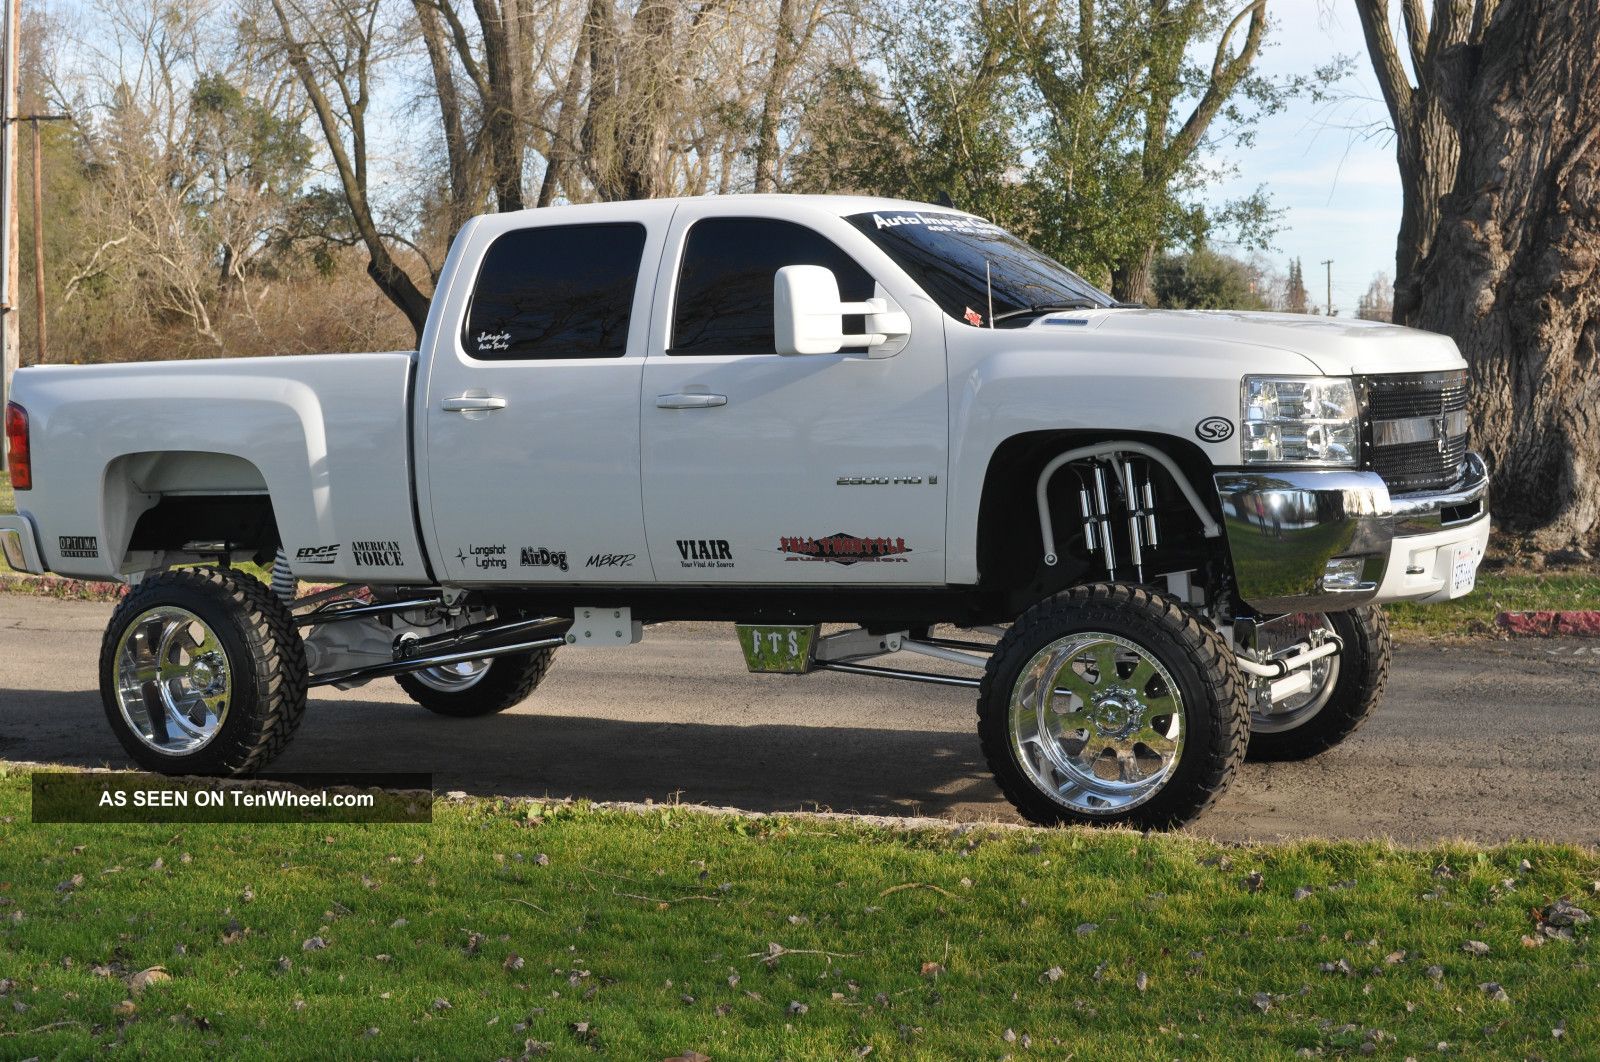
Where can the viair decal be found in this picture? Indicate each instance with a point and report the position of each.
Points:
(79, 546)
(842, 548)
(705, 553)
(377, 553)
(317, 554)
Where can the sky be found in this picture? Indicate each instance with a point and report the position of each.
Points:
(1329, 166)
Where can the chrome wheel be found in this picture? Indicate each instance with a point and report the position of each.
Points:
(454, 678)
(174, 685)
(1276, 638)
(1097, 723)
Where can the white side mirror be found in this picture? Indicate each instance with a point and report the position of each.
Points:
(808, 317)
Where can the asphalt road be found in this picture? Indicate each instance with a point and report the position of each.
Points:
(1485, 741)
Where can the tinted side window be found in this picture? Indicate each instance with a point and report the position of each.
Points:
(558, 291)
(724, 303)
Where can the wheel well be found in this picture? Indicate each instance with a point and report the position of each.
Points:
(160, 502)
(1010, 547)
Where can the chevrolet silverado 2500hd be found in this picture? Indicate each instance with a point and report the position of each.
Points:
(1147, 540)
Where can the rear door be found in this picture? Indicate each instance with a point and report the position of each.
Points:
(530, 412)
(759, 468)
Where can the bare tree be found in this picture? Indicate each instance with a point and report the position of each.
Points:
(1498, 138)
(337, 43)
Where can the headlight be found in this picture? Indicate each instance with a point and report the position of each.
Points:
(1314, 419)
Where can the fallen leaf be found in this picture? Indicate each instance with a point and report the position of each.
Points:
(1254, 881)
(1564, 913)
(797, 1007)
(441, 1004)
(1142, 981)
(1303, 893)
(688, 1056)
(1475, 947)
(932, 969)
(1085, 928)
(71, 883)
(126, 1009)
(1054, 974)
(314, 944)
(145, 978)
(1493, 990)
(1262, 1001)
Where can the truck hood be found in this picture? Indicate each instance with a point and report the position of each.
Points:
(1337, 346)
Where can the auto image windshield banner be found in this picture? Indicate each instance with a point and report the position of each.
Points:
(116, 796)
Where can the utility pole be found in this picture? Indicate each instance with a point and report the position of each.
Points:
(41, 347)
(8, 201)
(1327, 263)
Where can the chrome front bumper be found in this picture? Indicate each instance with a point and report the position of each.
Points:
(1285, 526)
(20, 545)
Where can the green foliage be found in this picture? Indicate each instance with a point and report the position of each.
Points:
(1203, 279)
(643, 936)
(1089, 127)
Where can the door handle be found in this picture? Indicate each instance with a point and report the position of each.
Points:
(690, 401)
(473, 404)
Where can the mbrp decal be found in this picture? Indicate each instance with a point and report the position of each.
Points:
(705, 553)
(543, 558)
(842, 548)
(79, 545)
(1214, 430)
(377, 553)
(611, 560)
(317, 554)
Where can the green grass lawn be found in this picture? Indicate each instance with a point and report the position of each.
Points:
(1505, 590)
(648, 935)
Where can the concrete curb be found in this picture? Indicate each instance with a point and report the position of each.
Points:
(1550, 624)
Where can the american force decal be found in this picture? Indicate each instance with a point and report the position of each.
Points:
(377, 553)
(842, 548)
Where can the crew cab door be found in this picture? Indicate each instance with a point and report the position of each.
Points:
(759, 468)
(529, 415)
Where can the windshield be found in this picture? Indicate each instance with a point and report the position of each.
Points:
(976, 270)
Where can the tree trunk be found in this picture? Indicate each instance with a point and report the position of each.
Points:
(783, 59)
(1513, 273)
(463, 203)
(1130, 281)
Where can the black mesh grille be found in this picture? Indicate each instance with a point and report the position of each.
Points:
(1417, 466)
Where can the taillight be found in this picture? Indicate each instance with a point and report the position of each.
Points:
(17, 441)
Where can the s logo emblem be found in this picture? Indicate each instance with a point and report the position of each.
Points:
(1214, 430)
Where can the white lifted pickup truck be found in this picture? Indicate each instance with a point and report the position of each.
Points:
(1148, 540)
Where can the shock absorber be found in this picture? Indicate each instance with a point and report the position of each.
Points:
(283, 580)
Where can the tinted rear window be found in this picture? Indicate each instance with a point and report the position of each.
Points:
(556, 291)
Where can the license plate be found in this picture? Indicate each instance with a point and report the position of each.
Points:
(1464, 573)
(784, 650)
